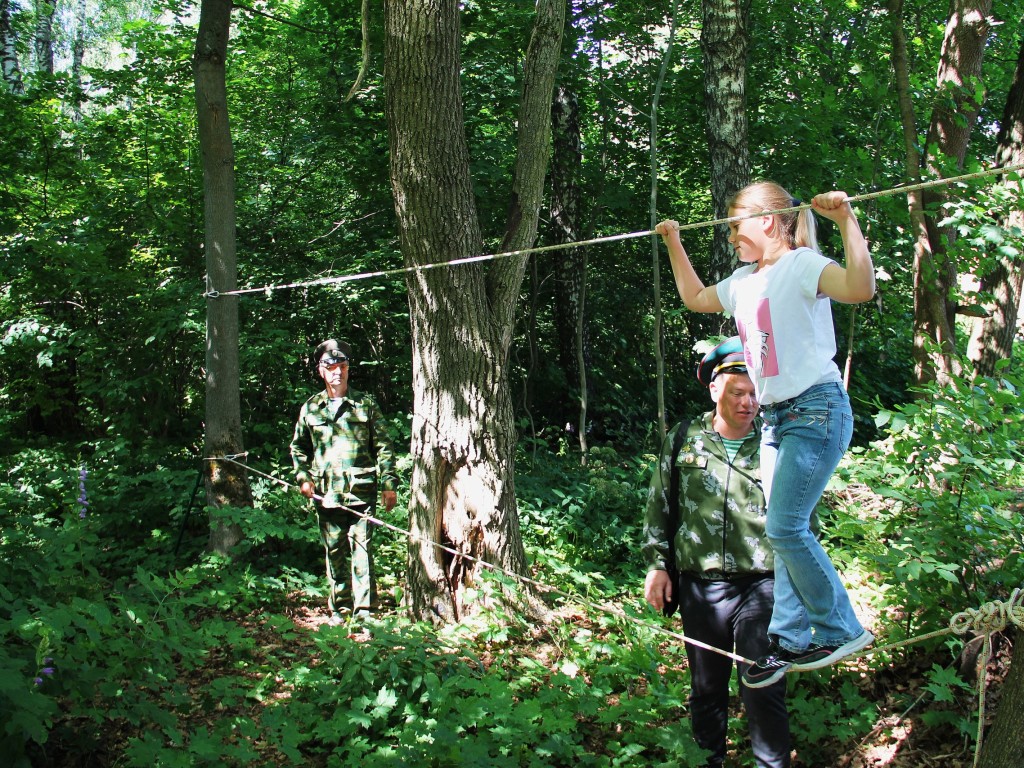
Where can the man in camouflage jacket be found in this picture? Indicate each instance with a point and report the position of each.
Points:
(342, 457)
(723, 558)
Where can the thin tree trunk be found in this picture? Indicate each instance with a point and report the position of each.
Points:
(463, 436)
(77, 58)
(532, 350)
(850, 337)
(911, 143)
(226, 482)
(992, 337)
(43, 43)
(571, 266)
(581, 366)
(659, 345)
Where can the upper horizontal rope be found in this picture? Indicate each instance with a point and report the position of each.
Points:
(902, 189)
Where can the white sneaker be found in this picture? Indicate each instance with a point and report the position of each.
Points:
(819, 656)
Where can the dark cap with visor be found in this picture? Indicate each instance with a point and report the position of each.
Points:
(727, 357)
(331, 352)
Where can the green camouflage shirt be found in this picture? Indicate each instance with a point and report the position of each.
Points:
(343, 454)
(721, 507)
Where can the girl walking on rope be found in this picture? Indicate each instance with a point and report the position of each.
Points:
(780, 300)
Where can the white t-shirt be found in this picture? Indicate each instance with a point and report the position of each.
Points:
(785, 324)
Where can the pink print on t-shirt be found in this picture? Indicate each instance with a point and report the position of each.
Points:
(759, 342)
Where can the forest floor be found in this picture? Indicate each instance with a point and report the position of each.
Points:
(899, 739)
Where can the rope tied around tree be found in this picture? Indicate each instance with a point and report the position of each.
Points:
(988, 619)
(994, 616)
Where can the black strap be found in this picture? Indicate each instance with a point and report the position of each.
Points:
(671, 606)
(673, 490)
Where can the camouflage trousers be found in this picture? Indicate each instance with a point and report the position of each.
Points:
(349, 558)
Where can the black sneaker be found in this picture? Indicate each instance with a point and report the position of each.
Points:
(818, 656)
(769, 668)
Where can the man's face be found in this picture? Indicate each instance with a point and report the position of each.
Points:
(335, 375)
(733, 394)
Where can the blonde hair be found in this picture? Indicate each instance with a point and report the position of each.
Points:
(796, 228)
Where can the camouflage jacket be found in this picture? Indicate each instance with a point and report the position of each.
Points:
(721, 507)
(344, 455)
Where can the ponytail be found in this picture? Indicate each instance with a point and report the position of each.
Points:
(806, 230)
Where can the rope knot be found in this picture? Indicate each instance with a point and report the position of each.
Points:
(991, 617)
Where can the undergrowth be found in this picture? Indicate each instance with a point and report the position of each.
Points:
(124, 644)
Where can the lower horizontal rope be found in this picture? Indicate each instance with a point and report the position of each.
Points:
(617, 612)
(989, 618)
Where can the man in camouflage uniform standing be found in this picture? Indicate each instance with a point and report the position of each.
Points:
(723, 558)
(342, 458)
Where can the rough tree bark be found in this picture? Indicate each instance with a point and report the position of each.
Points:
(724, 43)
(1003, 746)
(905, 101)
(43, 42)
(463, 436)
(226, 482)
(992, 336)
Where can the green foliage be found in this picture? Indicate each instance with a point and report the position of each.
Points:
(984, 239)
(592, 509)
(204, 662)
(950, 471)
(122, 640)
(167, 655)
(945, 686)
(817, 718)
(419, 698)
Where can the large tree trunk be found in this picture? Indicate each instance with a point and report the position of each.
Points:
(956, 110)
(463, 437)
(724, 43)
(1003, 746)
(9, 51)
(226, 482)
(992, 336)
(571, 266)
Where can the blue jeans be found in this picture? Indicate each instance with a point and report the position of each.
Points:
(732, 615)
(801, 444)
